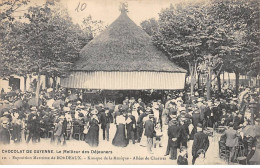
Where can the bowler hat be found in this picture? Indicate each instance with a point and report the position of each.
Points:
(199, 125)
(151, 116)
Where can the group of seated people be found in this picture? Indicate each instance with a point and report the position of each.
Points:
(234, 146)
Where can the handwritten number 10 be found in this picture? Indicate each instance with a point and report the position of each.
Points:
(81, 7)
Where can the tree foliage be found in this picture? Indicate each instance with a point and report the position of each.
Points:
(226, 30)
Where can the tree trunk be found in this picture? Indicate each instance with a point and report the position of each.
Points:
(191, 85)
(192, 80)
(219, 83)
(54, 83)
(47, 81)
(209, 78)
(198, 81)
(228, 79)
(38, 89)
(237, 83)
(208, 88)
(24, 87)
(223, 80)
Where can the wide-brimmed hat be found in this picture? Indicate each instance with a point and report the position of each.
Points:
(257, 120)
(235, 99)
(49, 90)
(183, 112)
(196, 112)
(94, 111)
(182, 109)
(66, 109)
(200, 151)
(5, 113)
(5, 122)
(33, 108)
(199, 125)
(61, 117)
(179, 99)
(101, 105)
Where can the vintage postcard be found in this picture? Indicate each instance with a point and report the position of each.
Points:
(155, 82)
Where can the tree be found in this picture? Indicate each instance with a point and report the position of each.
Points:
(188, 34)
(222, 35)
(48, 45)
(240, 22)
(150, 26)
(209, 65)
(9, 32)
(9, 7)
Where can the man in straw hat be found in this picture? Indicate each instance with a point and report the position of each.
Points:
(58, 133)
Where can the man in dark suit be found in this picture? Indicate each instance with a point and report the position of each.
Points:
(161, 107)
(130, 127)
(64, 129)
(173, 135)
(237, 120)
(4, 133)
(105, 119)
(201, 142)
(140, 124)
(32, 125)
(141, 103)
(149, 132)
(195, 120)
(184, 133)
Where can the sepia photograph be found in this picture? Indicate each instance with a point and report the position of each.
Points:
(130, 82)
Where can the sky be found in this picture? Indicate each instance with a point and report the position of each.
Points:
(108, 10)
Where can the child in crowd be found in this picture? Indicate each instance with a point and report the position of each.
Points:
(158, 136)
(201, 157)
(183, 156)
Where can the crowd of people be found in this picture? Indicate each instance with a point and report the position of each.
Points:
(62, 117)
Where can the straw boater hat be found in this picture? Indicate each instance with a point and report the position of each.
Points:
(94, 111)
(33, 109)
(199, 125)
(61, 117)
(5, 113)
(258, 120)
(182, 109)
(179, 99)
(66, 109)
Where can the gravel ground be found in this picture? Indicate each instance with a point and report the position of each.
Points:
(132, 154)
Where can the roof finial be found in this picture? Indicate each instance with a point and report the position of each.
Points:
(123, 7)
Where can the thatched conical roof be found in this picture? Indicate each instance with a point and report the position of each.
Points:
(125, 47)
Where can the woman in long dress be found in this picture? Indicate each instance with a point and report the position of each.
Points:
(120, 136)
(92, 137)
